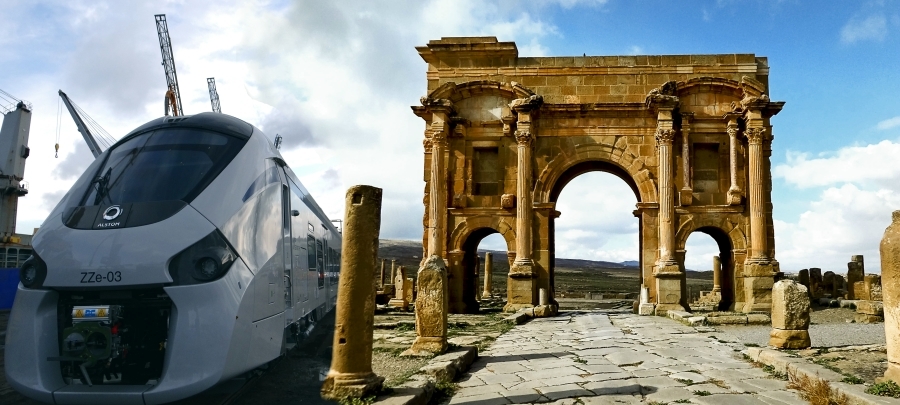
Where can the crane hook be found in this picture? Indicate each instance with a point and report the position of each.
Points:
(56, 155)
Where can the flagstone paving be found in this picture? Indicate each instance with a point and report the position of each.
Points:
(604, 357)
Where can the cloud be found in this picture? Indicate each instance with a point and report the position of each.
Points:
(858, 192)
(871, 164)
(871, 28)
(889, 123)
(568, 4)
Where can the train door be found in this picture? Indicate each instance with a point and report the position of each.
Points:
(298, 249)
(286, 247)
(311, 254)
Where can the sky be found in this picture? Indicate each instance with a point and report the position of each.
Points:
(337, 79)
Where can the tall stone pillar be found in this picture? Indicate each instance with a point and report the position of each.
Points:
(687, 191)
(393, 270)
(522, 276)
(717, 274)
(669, 276)
(488, 271)
(759, 269)
(734, 191)
(381, 283)
(437, 207)
(890, 274)
(351, 363)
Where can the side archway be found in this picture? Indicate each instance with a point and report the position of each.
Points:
(464, 265)
(731, 243)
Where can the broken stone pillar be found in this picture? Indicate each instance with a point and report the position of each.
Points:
(869, 312)
(408, 290)
(815, 282)
(717, 274)
(838, 286)
(393, 271)
(488, 271)
(399, 300)
(431, 309)
(351, 363)
(890, 271)
(543, 299)
(872, 283)
(790, 316)
(855, 272)
(803, 278)
(381, 282)
(828, 283)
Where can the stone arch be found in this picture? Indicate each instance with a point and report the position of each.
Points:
(730, 240)
(620, 162)
(455, 92)
(465, 228)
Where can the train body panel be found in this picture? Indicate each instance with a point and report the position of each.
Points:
(212, 258)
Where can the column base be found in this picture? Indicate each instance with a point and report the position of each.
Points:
(669, 279)
(733, 197)
(426, 346)
(892, 373)
(789, 339)
(686, 197)
(759, 278)
(520, 287)
(338, 386)
(487, 295)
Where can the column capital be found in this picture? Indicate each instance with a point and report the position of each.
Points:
(755, 135)
(439, 132)
(665, 136)
(524, 137)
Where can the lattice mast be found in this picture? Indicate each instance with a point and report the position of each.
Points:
(173, 95)
(213, 95)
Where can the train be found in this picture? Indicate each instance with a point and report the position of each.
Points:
(186, 255)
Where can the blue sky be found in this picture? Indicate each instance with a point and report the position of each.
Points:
(336, 79)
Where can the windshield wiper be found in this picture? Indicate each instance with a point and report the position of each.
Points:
(102, 186)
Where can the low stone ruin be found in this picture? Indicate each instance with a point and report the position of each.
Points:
(790, 316)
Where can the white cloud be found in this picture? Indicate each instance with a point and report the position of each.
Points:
(858, 193)
(889, 123)
(876, 164)
(568, 4)
(871, 28)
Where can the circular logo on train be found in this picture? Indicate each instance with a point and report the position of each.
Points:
(112, 212)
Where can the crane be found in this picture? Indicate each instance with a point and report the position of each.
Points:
(213, 94)
(92, 142)
(13, 152)
(173, 95)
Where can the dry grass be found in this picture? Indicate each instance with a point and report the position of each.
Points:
(816, 391)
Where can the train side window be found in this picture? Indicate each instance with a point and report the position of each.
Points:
(321, 262)
(311, 252)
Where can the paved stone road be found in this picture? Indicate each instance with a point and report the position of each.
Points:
(602, 357)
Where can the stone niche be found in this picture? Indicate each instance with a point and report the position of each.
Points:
(690, 134)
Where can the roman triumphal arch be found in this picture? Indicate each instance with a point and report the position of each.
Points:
(689, 133)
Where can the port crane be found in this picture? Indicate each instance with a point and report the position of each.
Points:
(173, 94)
(13, 151)
(213, 94)
(97, 140)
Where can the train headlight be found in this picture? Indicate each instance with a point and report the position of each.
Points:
(33, 272)
(207, 260)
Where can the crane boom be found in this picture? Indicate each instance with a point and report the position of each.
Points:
(85, 132)
(168, 62)
(213, 94)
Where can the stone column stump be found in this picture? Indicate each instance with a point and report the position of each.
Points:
(408, 285)
(890, 273)
(869, 312)
(351, 373)
(488, 270)
(803, 278)
(431, 309)
(790, 316)
(815, 282)
(855, 273)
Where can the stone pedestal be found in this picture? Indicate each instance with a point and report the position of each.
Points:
(790, 316)
(520, 288)
(890, 273)
(351, 364)
(758, 282)
(431, 309)
(399, 300)
(668, 289)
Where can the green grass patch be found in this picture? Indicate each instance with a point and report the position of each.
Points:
(702, 393)
(885, 389)
(852, 379)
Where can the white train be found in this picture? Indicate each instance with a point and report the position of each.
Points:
(187, 254)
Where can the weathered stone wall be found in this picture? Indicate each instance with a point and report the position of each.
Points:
(571, 115)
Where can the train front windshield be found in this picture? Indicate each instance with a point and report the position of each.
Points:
(162, 165)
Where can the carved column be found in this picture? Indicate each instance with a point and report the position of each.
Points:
(440, 128)
(687, 191)
(717, 274)
(758, 268)
(669, 276)
(734, 192)
(521, 284)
